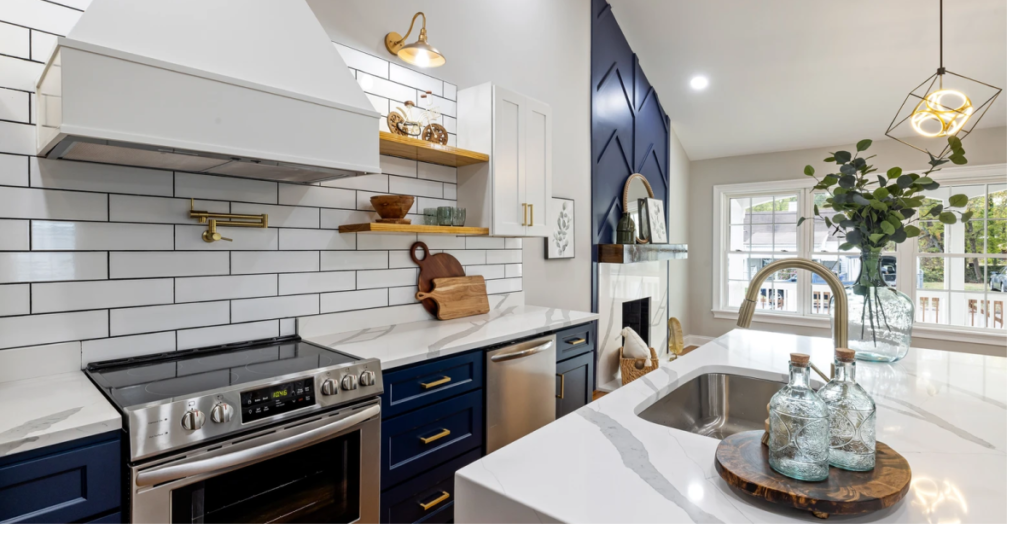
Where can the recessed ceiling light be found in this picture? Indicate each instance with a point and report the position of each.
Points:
(699, 82)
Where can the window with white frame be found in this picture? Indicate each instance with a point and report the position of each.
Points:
(956, 274)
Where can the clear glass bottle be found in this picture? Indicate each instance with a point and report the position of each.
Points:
(798, 426)
(851, 417)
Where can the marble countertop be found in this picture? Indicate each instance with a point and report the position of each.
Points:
(406, 343)
(54, 409)
(945, 412)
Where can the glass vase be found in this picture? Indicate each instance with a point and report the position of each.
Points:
(881, 318)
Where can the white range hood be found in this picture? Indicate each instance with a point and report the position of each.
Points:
(249, 88)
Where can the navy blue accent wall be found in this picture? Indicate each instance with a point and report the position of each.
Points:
(629, 131)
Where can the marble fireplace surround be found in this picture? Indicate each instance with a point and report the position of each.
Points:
(623, 283)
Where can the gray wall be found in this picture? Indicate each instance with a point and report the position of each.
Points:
(985, 146)
(679, 181)
(539, 48)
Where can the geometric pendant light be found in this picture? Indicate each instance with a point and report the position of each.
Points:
(944, 105)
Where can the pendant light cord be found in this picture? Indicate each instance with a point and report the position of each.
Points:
(940, 35)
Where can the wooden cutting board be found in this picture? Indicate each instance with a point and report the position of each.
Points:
(458, 297)
(431, 267)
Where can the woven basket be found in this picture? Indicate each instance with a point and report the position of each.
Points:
(629, 366)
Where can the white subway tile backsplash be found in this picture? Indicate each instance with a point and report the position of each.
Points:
(98, 177)
(13, 170)
(320, 239)
(51, 204)
(215, 288)
(13, 235)
(443, 242)
(469, 257)
(14, 40)
(159, 210)
(514, 270)
(224, 188)
(386, 278)
(52, 266)
(317, 196)
(379, 104)
(504, 256)
(168, 317)
(332, 218)
(23, 363)
(451, 125)
(70, 296)
(416, 80)
(489, 272)
(513, 244)
(400, 259)
(450, 91)
(100, 236)
(412, 186)
(190, 237)
(42, 45)
(14, 299)
(397, 166)
(287, 327)
(316, 282)
(13, 105)
(390, 241)
(42, 15)
(402, 295)
(451, 191)
(270, 262)
(19, 331)
(166, 264)
(444, 106)
(507, 285)
(373, 183)
(353, 300)
(362, 61)
(433, 171)
(16, 138)
(126, 346)
(20, 75)
(385, 88)
(274, 308)
(485, 243)
(226, 334)
(333, 261)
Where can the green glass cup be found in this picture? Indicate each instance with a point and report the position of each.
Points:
(429, 216)
(459, 217)
(444, 215)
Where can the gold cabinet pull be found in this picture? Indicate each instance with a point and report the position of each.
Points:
(524, 214)
(561, 385)
(531, 215)
(444, 496)
(444, 433)
(577, 341)
(432, 384)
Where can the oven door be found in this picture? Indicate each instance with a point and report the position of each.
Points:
(320, 469)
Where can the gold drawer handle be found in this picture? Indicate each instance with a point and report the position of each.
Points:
(577, 342)
(524, 214)
(432, 384)
(531, 215)
(561, 383)
(444, 496)
(444, 433)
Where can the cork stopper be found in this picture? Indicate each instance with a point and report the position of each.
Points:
(845, 355)
(799, 359)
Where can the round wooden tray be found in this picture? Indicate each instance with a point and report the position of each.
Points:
(742, 460)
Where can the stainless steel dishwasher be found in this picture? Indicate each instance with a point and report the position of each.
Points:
(520, 390)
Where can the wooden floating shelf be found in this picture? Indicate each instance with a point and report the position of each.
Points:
(375, 227)
(638, 253)
(400, 146)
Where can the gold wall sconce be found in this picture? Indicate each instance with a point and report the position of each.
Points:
(421, 53)
(225, 220)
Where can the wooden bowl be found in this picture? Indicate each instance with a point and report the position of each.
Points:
(392, 207)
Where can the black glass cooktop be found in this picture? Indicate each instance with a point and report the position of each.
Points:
(140, 380)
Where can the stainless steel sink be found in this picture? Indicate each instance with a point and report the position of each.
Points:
(715, 405)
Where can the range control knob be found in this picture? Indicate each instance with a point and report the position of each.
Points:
(222, 413)
(348, 382)
(329, 387)
(367, 378)
(193, 420)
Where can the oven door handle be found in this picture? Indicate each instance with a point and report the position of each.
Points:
(255, 454)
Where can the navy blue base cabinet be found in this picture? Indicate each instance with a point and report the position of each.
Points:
(77, 481)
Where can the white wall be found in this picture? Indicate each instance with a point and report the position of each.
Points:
(984, 146)
(540, 48)
(679, 232)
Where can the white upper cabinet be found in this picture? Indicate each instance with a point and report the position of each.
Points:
(512, 192)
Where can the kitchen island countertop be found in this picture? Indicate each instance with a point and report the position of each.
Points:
(945, 412)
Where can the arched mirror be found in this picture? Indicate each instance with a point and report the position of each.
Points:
(636, 188)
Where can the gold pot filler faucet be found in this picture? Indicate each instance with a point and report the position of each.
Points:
(840, 329)
(224, 220)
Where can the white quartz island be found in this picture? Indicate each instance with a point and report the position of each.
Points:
(945, 412)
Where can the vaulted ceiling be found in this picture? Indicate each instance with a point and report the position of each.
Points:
(793, 74)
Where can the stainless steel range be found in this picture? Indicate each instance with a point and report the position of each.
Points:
(278, 430)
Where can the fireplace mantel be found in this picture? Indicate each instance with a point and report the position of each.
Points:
(636, 253)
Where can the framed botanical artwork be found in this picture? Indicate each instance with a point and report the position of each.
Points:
(652, 215)
(561, 243)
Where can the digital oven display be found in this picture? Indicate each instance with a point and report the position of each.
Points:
(284, 397)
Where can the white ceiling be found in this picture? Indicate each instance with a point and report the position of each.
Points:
(795, 74)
